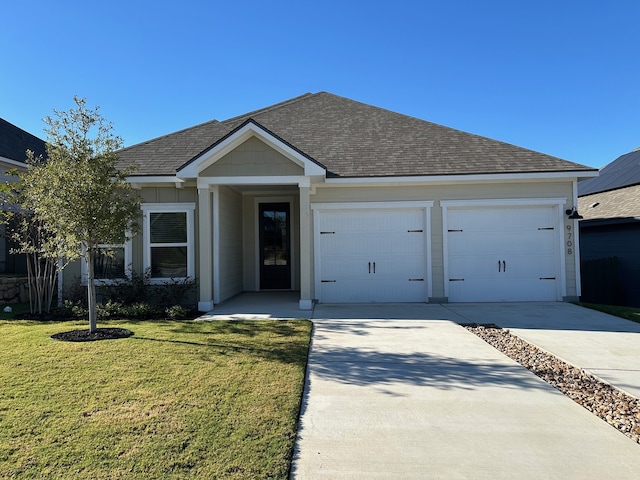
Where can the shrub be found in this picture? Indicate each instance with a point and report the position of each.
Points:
(176, 312)
(142, 311)
(133, 290)
(110, 309)
(174, 292)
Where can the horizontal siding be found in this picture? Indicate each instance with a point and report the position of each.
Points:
(253, 157)
(168, 195)
(230, 221)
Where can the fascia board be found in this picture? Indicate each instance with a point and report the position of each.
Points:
(448, 179)
(15, 163)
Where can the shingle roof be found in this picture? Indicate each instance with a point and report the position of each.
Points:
(14, 142)
(622, 172)
(352, 139)
(620, 204)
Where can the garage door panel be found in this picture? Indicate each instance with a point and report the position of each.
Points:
(480, 290)
(373, 290)
(501, 254)
(508, 220)
(371, 222)
(372, 256)
(400, 267)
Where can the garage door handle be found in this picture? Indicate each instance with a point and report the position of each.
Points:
(369, 267)
(499, 266)
(504, 266)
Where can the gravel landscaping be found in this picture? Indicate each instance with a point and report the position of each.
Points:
(617, 408)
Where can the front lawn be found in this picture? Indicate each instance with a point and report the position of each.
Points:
(630, 313)
(179, 399)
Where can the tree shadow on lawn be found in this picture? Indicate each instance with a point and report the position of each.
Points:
(289, 352)
(249, 328)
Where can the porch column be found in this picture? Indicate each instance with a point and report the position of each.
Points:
(306, 302)
(205, 247)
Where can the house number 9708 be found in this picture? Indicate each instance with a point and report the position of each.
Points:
(569, 240)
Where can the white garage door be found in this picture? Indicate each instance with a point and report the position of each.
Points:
(503, 254)
(373, 255)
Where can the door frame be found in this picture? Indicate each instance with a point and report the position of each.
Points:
(293, 225)
(496, 204)
(319, 208)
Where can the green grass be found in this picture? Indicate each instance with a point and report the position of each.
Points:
(629, 313)
(177, 400)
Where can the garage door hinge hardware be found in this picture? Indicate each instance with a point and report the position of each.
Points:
(547, 278)
(416, 279)
(414, 231)
(327, 233)
(456, 279)
(454, 230)
(545, 228)
(328, 281)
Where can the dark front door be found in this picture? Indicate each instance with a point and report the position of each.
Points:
(275, 261)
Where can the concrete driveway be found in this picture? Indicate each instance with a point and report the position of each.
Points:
(420, 397)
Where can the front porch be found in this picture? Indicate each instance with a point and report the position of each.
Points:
(259, 306)
(253, 238)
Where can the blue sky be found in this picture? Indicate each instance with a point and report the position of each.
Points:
(561, 78)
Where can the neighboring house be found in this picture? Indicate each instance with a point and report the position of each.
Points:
(14, 143)
(346, 202)
(610, 205)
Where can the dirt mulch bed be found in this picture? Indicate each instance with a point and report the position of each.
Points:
(88, 336)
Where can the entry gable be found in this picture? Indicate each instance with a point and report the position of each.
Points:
(250, 150)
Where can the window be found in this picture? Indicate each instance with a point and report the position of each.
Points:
(110, 268)
(168, 240)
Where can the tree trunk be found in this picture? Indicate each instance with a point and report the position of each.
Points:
(91, 292)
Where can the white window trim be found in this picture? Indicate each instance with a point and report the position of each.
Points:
(128, 260)
(189, 209)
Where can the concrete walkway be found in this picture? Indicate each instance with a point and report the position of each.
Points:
(420, 397)
(604, 345)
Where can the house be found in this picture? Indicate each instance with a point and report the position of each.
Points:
(610, 233)
(348, 203)
(14, 143)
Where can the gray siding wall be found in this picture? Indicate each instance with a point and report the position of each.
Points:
(231, 262)
(252, 158)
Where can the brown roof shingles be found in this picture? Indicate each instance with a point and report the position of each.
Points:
(352, 139)
(623, 203)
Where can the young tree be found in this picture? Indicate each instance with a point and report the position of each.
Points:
(30, 238)
(78, 194)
